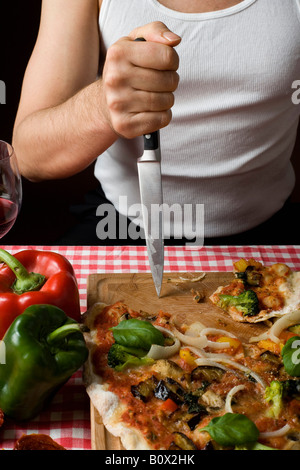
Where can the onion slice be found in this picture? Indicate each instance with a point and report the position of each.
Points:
(240, 367)
(282, 324)
(216, 331)
(164, 330)
(197, 341)
(195, 329)
(198, 352)
(186, 279)
(255, 339)
(217, 356)
(216, 345)
(279, 432)
(208, 362)
(230, 395)
(163, 352)
(205, 355)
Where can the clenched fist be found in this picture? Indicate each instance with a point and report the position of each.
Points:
(139, 80)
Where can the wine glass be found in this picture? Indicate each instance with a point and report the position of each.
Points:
(10, 188)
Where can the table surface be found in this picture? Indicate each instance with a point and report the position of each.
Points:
(67, 419)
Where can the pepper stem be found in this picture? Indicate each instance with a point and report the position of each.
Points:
(25, 281)
(62, 332)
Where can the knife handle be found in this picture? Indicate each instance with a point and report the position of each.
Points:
(151, 141)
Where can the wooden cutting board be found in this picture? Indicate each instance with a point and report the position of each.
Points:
(177, 298)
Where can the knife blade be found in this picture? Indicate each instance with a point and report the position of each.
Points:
(149, 172)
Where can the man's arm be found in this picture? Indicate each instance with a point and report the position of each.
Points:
(52, 126)
(66, 116)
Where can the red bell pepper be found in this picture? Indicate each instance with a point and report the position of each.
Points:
(169, 405)
(33, 277)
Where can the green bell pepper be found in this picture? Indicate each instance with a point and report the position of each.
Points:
(44, 347)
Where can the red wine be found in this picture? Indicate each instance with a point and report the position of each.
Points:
(8, 215)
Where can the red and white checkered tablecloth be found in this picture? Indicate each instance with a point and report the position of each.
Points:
(67, 419)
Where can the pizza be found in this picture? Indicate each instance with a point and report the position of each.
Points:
(160, 386)
(37, 442)
(258, 293)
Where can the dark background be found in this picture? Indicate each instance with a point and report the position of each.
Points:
(45, 214)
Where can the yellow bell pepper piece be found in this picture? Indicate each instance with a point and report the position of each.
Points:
(242, 264)
(234, 343)
(270, 346)
(186, 355)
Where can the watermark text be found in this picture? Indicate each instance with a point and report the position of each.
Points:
(178, 221)
(296, 354)
(2, 92)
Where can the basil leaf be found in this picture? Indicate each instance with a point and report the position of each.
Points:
(232, 429)
(135, 333)
(291, 356)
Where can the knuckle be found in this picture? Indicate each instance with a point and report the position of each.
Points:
(167, 102)
(153, 26)
(152, 101)
(160, 120)
(166, 56)
(171, 100)
(114, 104)
(174, 81)
(111, 79)
(120, 127)
(166, 118)
(168, 81)
(158, 24)
(124, 126)
(160, 101)
(170, 58)
(115, 52)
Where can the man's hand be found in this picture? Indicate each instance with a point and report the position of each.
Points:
(139, 79)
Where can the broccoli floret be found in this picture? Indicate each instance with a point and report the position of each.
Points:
(278, 391)
(246, 303)
(274, 393)
(120, 357)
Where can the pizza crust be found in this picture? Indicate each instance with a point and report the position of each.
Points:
(110, 409)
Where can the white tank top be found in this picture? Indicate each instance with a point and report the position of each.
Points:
(234, 124)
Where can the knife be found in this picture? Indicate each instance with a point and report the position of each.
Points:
(149, 172)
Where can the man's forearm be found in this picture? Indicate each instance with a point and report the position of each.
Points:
(134, 97)
(61, 141)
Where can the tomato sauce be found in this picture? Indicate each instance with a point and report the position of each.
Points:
(138, 415)
(157, 425)
(145, 418)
